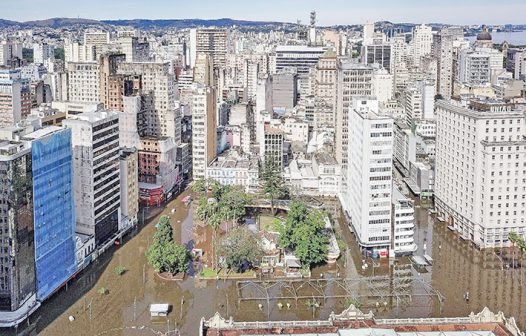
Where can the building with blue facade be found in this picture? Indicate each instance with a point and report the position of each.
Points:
(54, 211)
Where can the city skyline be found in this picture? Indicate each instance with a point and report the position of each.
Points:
(339, 13)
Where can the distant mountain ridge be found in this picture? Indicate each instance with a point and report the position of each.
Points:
(139, 23)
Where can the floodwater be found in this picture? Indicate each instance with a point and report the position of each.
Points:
(390, 289)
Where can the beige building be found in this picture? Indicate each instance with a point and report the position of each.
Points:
(129, 167)
(204, 135)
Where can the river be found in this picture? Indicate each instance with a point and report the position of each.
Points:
(458, 267)
(514, 38)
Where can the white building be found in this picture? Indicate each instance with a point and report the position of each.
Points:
(367, 198)
(210, 41)
(96, 173)
(478, 66)
(9, 50)
(403, 224)
(302, 58)
(421, 43)
(43, 52)
(232, 168)
(481, 170)
(83, 82)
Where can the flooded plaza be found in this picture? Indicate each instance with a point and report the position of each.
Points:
(389, 289)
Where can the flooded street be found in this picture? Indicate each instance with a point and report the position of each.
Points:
(390, 289)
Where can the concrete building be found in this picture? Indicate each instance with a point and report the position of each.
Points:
(367, 197)
(43, 52)
(204, 135)
(210, 41)
(479, 66)
(9, 51)
(325, 89)
(383, 83)
(233, 168)
(204, 70)
(480, 178)
(96, 173)
(17, 255)
(271, 147)
(377, 54)
(302, 58)
(442, 50)
(15, 98)
(404, 146)
(403, 225)
(83, 82)
(421, 43)
(284, 89)
(516, 62)
(129, 187)
(158, 165)
(132, 120)
(164, 118)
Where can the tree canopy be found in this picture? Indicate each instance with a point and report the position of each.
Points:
(241, 249)
(303, 232)
(273, 183)
(164, 254)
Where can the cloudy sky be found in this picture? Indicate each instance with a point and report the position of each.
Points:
(329, 11)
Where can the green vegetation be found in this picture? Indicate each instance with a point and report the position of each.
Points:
(354, 302)
(304, 234)
(241, 249)
(228, 203)
(270, 224)
(120, 270)
(208, 273)
(517, 241)
(273, 184)
(59, 54)
(164, 255)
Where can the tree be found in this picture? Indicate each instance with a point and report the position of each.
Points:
(241, 249)
(303, 233)
(310, 241)
(273, 184)
(233, 202)
(164, 255)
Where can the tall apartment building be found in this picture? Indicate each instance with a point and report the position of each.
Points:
(17, 255)
(403, 231)
(412, 104)
(83, 82)
(129, 187)
(96, 173)
(9, 50)
(442, 50)
(204, 135)
(15, 97)
(132, 120)
(302, 58)
(353, 80)
(164, 119)
(272, 144)
(325, 88)
(157, 165)
(480, 183)
(112, 86)
(477, 66)
(516, 62)
(211, 41)
(285, 89)
(251, 79)
(43, 52)
(378, 54)
(204, 70)
(367, 197)
(421, 43)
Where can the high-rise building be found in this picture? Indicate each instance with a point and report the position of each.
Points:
(43, 52)
(403, 224)
(377, 54)
(367, 197)
(17, 255)
(271, 148)
(324, 88)
(96, 173)
(516, 62)
(164, 119)
(368, 33)
(204, 70)
(251, 79)
(204, 133)
(421, 43)
(442, 50)
(284, 89)
(129, 185)
(15, 97)
(210, 41)
(83, 82)
(302, 58)
(54, 211)
(480, 186)
(9, 50)
(478, 66)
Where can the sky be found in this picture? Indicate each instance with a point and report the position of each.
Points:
(330, 12)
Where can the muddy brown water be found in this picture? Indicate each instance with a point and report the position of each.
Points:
(457, 268)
